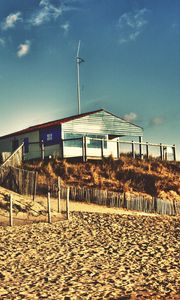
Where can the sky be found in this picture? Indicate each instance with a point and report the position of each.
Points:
(131, 52)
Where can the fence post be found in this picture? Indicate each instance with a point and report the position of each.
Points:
(102, 146)
(11, 210)
(42, 150)
(59, 194)
(34, 185)
(155, 204)
(147, 150)
(23, 152)
(118, 149)
(49, 207)
(124, 201)
(133, 152)
(84, 149)
(174, 152)
(140, 147)
(62, 148)
(67, 204)
(161, 151)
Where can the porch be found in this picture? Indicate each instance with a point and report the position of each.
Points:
(87, 148)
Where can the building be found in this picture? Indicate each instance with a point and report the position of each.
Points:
(90, 134)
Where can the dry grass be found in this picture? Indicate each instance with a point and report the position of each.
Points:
(153, 177)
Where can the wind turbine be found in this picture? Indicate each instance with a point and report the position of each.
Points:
(78, 62)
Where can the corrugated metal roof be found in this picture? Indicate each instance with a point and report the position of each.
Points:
(61, 121)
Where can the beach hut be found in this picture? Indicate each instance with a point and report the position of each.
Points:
(85, 135)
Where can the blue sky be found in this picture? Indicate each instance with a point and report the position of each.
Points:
(131, 50)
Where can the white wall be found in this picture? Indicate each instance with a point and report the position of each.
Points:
(34, 150)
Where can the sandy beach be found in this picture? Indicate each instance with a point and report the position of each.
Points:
(92, 256)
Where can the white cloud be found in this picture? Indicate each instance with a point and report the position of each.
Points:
(46, 13)
(24, 49)
(130, 117)
(65, 27)
(157, 121)
(131, 25)
(11, 20)
(2, 42)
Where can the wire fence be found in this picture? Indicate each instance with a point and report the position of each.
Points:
(15, 178)
(25, 211)
(55, 205)
(108, 198)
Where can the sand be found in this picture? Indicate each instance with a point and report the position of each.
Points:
(92, 256)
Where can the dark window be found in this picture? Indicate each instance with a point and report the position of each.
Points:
(77, 142)
(26, 145)
(15, 145)
(94, 141)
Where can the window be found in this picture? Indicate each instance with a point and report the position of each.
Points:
(94, 141)
(75, 140)
(49, 137)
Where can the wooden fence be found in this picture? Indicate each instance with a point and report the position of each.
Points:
(123, 200)
(47, 213)
(18, 180)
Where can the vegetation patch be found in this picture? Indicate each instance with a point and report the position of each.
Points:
(153, 177)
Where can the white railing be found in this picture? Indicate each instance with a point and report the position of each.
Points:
(104, 148)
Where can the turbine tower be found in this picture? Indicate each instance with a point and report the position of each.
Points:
(78, 62)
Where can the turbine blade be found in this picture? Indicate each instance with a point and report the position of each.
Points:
(78, 49)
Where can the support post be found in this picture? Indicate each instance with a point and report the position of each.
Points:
(102, 149)
(165, 154)
(67, 204)
(42, 150)
(118, 149)
(140, 147)
(34, 185)
(161, 151)
(133, 152)
(62, 148)
(147, 150)
(174, 152)
(11, 210)
(49, 207)
(59, 194)
(23, 152)
(85, 148)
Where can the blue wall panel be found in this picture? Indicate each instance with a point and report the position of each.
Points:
(50, 135)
